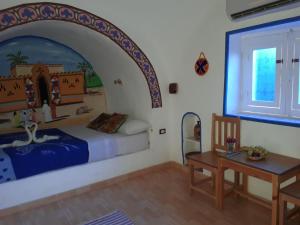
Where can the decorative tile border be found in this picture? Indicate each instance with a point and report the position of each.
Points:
(27, 13)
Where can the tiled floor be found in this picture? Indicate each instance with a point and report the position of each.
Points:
(159, 198)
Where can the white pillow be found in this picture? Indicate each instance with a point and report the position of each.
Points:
(133, 127)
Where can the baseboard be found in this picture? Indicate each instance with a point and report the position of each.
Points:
(82, 190)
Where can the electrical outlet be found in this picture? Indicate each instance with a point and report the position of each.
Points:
(162, 131)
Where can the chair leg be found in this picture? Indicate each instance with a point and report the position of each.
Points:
(215, 177)
(220, 188)
(282, 210)
(192, 174)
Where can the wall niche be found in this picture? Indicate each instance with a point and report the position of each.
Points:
(38, 73)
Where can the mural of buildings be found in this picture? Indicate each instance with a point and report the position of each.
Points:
(30, 86)
(21, 69)
(36, 70)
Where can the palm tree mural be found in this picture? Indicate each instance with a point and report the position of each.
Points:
(17, 58)
(91, 77)
(85, 67)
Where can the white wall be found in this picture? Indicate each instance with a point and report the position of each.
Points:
(172, 33)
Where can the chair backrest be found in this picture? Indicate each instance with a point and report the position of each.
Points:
(223, 128)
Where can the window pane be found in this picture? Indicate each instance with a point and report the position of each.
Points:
(264, 74)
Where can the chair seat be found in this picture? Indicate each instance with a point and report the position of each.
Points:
(292, 190)
(209, 158)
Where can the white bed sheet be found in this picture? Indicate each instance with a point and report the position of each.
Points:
(103, 146)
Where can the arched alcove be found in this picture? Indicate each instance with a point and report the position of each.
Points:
(43, 90)
(54, 13)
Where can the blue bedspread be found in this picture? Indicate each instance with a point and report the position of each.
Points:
(25, 161)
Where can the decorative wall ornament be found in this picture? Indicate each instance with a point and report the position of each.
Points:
(55, 91)
(201, 65)
(118, 82)
(32, 12)
(30, 93)
(173, 88)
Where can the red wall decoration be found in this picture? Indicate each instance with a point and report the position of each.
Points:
(201, 65)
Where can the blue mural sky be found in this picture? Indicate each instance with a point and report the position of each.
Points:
(39, 50)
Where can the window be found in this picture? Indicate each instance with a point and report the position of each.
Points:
(262, 75)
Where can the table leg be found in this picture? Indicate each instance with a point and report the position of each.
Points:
(275, 195)
(245, 183)
(236, 182)
(192, 174)
(236, 179)
(220, 187)
(213, 181)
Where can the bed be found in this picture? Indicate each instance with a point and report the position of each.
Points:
(104, 146)
(77, 145)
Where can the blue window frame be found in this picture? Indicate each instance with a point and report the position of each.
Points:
(262, 73)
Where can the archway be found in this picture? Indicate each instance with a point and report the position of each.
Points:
(32, 12)
(43, 90)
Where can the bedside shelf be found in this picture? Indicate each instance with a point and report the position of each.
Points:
(192, 139)
(188, 142)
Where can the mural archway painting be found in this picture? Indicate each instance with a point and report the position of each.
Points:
(32, 12)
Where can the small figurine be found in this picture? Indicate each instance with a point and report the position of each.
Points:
(46, 112)
(30, 93)
(55, 92)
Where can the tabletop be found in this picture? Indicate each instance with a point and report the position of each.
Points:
(273, 163)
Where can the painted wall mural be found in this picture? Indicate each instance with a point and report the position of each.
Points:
(37, 74)
(32, 12)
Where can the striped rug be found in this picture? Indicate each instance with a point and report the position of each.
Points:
(114, 218)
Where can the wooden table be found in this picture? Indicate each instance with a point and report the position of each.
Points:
(275, 169)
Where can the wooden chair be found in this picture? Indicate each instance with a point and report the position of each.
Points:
(289, 194)
(222, 128)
